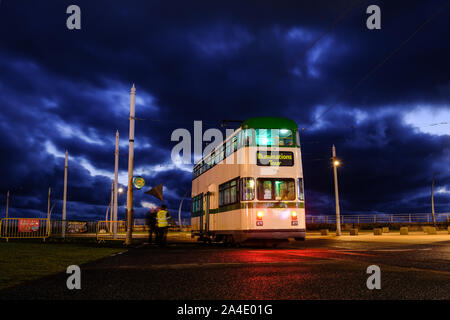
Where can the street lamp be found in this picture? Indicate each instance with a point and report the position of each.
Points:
(336, 163)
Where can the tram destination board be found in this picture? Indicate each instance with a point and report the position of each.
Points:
(281, 158)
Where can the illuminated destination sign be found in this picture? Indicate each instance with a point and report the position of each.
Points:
(281, 158)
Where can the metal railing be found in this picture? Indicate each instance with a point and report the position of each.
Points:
(111, 230)
(380, 218)
(24, 228)
(73, 228)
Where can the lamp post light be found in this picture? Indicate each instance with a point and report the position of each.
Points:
(336, 163)
(120, 191)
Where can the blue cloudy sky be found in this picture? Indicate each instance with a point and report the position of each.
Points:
(212, 60)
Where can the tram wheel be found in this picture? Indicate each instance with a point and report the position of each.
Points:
(229, 240)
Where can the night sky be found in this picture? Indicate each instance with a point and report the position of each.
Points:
(213, 60)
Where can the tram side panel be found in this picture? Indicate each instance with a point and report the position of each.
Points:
(210, 181)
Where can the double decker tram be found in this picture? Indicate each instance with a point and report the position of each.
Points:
(251, 186)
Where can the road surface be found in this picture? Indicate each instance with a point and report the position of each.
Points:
(412, 267)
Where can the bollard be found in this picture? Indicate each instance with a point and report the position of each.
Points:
(324, 232)
(354, 232)
(425, 229)
(385, 230)
(431, 230)
(448, 229)
(377, 231)
(403, 230)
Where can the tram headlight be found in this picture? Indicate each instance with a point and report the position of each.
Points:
(259, 215)
(294, 215)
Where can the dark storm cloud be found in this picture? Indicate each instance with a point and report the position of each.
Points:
(382, 159)
(202, 60)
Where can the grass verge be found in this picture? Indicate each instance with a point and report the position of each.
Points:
(22, 261)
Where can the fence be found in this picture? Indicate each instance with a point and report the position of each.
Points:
(381, 218)
(73, 228)
(24, 228)
(106, 230)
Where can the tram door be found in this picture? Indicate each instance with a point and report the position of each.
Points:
(204, 221)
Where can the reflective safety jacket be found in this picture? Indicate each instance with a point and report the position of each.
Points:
(161, 219)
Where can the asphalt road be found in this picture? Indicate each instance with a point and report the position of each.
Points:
(318, 268)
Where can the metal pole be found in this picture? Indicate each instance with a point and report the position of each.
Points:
(64, 213)
(111, 204)
(130, 169)
(179, 212)
(7, 204)
(116, 175)
(336, 194)
(48, 203)
(106, 218)
(432, 200)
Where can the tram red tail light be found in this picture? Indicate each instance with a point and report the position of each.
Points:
(294, 215)
(259, 215)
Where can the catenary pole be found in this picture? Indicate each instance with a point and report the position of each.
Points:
(116, 177)
(130, 169)
(432, 200)
(111, 204)
(7, 204)
(336, 193)
(48, 202)
(64, 212)
(179, 212)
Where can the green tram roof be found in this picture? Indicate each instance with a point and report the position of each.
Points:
(269, 123)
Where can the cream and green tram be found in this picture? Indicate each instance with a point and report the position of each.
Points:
(251, 186)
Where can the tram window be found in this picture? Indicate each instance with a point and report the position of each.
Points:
(248, 189)
(276, 189)
(285, 137)
(226, 196)
(228, 149)
(228, 193)
(220, 156)
(262, 137)
(197, 203)
(266, 190)
(233, 191)
(234, 143)
(273, 137)
(300, 188)
(240, 137)
(297, 138)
